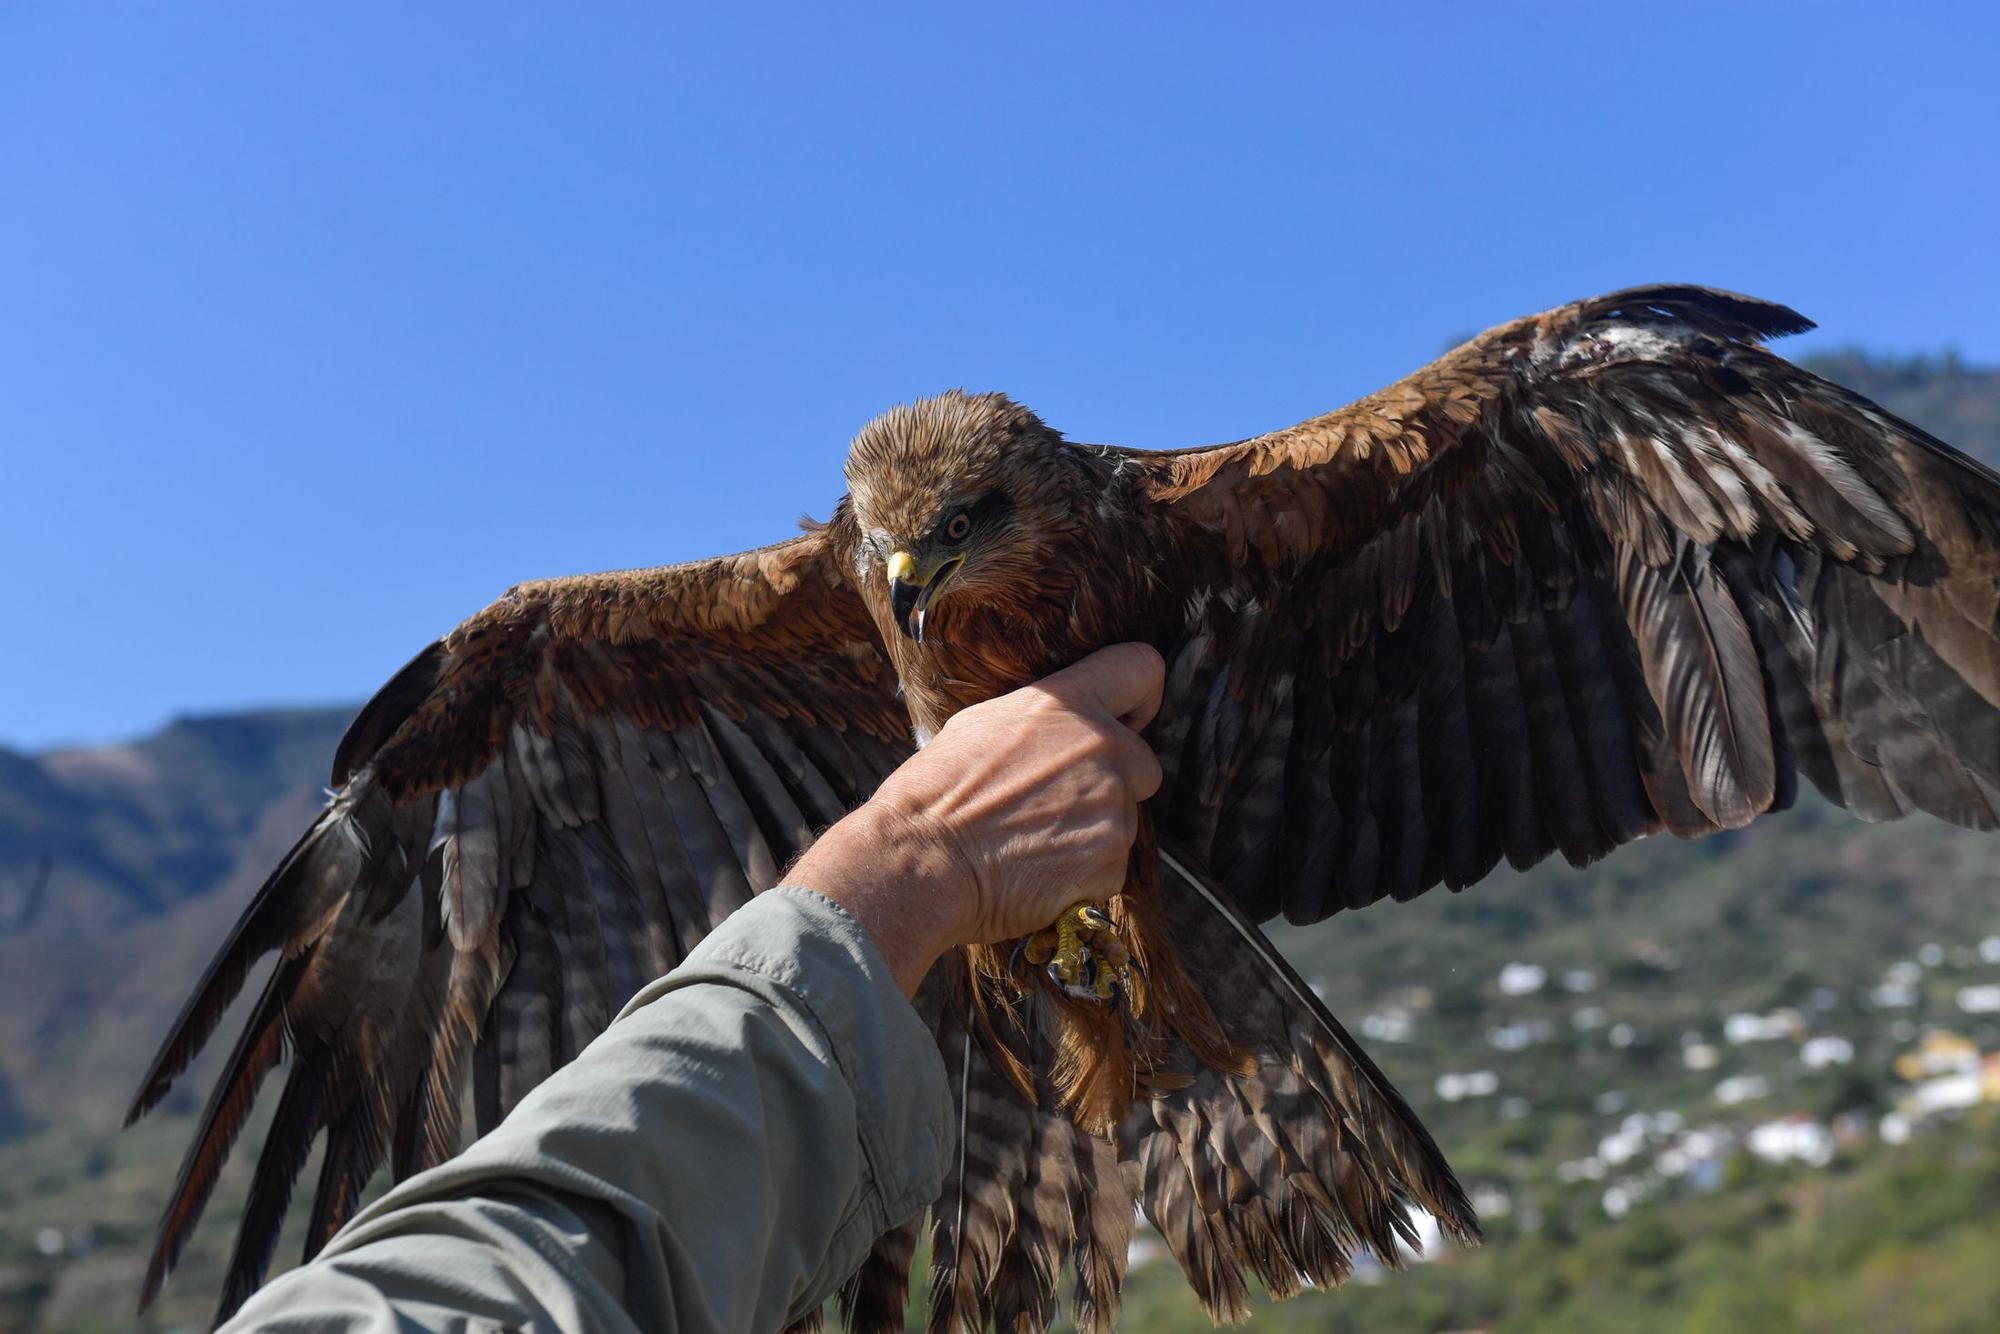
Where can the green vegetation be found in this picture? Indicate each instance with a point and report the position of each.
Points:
(1900, 1240)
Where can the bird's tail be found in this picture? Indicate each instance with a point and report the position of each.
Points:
(1286, 1166)
(1291, 1170)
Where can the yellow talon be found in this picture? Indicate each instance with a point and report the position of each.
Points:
(1083, 954)
(1067, 965)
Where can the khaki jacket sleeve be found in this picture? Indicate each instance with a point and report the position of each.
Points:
(719, 1159)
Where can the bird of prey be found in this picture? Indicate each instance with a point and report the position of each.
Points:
(1599, 572)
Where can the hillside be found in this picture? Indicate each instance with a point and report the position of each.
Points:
(1601, 1052)
(101, 838)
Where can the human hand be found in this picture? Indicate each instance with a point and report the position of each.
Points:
(1018, 807)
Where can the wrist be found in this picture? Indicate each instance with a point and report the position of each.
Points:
(902, 877)
(921, 850)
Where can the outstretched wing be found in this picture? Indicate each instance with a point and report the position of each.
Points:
(545, 810)
(1598, 572)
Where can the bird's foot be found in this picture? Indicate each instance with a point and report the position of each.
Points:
(1083, 955)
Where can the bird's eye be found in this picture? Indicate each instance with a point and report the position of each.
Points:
(957, 527)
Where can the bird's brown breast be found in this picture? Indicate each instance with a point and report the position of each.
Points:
(976, 653)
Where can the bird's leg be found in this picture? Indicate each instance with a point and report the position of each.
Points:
(1083, 953)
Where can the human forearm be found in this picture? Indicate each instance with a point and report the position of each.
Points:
(898, 880)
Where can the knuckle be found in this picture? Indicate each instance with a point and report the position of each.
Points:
(1042, 701)
(972, 715)
(1144, 657)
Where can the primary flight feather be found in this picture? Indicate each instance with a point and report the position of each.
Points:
(1596, 573)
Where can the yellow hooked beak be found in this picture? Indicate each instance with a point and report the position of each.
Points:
(911, 587)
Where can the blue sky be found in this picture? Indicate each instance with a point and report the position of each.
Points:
(323, 324)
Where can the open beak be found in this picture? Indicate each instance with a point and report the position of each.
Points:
(912, 586)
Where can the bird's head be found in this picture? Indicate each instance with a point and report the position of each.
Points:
(954, 497)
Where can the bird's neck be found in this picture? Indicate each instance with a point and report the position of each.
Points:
(981, 654)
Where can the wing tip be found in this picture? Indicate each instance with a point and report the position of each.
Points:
(1732, 315)
(256, 933)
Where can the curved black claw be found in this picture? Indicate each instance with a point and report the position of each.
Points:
(1113, 995)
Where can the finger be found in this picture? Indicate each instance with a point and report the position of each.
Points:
(1124, 680)
(1142, 768)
